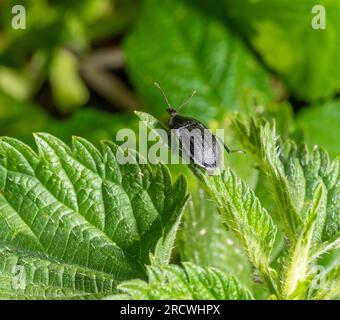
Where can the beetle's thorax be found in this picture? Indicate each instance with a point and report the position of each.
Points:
(173, 113)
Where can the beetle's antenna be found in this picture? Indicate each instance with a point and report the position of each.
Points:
(163, 94)
(187, 100)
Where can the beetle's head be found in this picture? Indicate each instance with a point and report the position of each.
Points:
(171, 111)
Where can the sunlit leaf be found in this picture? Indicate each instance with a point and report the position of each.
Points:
(282, 32)
(80, 215)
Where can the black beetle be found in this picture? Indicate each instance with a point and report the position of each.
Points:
(196, 140)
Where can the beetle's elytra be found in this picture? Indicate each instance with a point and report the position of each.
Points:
(196, 141)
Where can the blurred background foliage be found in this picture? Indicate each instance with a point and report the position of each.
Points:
(81, 67)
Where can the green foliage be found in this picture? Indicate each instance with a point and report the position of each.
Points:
(56, 35)
(296, 174)
(320, 125)
(306, 189)
(193, 51)
(205, 241)
(91, 124)
(33, 275)
(23, 118)
(19, 119)
(74, 224)
(244, 215)
(68, 92)
(80, 215)
(189, 282)
(281, 32)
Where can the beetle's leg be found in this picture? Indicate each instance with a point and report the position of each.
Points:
(228, 149)
(233, 151)
(198, 170)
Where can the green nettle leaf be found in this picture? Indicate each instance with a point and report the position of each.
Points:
(306, 189)
(75, 222)
(295, 173)
(30, 275)
(194, 51)
(189, 282)
(288, 37)
(244, 215)
(298, 266)
(240, 209)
